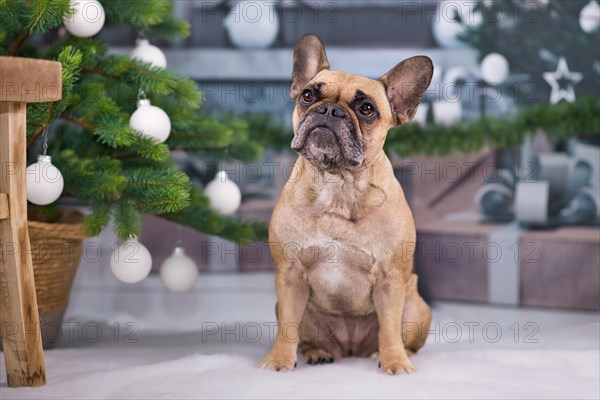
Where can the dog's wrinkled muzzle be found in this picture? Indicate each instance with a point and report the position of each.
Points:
(327, 137)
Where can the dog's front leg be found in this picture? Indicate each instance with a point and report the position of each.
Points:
(388, 297)
(292, 296)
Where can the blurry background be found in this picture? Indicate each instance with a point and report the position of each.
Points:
(490, 61)
(501, 168)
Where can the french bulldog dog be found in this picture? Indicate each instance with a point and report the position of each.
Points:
(342, 235)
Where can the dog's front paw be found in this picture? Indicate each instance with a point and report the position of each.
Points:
(317, 356)
(395, 364)
(278, 361)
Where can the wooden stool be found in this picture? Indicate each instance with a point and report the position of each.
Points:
(22, 80)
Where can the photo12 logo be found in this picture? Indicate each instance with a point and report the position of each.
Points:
(439, 332)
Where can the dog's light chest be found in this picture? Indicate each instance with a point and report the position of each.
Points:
(340, 277)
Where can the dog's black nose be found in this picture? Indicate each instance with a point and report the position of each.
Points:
(331, 109)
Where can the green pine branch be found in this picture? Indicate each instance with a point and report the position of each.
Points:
(155, 17)
(98, 218)
(46, 14)
(198, 215)
(126, 219)
(560, 121)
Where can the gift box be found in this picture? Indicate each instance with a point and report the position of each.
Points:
(466, 260)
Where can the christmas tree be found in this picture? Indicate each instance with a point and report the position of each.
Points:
(537, 39)
(534, 36)
(117, 170)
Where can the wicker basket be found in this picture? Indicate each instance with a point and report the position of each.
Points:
(56, 251)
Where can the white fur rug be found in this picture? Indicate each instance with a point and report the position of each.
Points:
(182, 366)
(555, 356)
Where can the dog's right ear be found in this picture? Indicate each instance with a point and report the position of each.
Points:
(309, 59)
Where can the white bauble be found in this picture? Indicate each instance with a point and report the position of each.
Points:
(44, 181)
(179, 272)
(225, 196)
(131, 261)
(151, 121)
(252, 24)
(589, 18)
(87, 18)
(494, 68)
(446, 29)
(148, 53)
(447, 113)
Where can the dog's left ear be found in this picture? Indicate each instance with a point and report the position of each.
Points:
(405, 84)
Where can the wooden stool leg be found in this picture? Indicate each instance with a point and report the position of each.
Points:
(21, 338)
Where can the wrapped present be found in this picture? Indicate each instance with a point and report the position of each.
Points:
(502, 263)
(546, 190)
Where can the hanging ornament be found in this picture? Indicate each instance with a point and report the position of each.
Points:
(589, 18)
(447, 113)
(252, 24)
(148, 53)
(225, 196)
(87, 18)
(562, 73)
(494, 68)
(131, 261)
(150, 121)
(179, 272)
(44, 181)
(445, 27)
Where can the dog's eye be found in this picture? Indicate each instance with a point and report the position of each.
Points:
(367, 109)
(308, 96)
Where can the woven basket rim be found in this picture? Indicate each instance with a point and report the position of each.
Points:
(69, 227)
